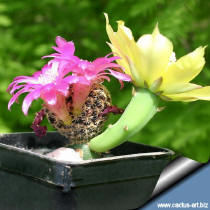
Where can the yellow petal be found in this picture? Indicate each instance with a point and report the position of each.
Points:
(180, 88)
(124, 46)
(122, 61)
(185, 69)
(192, 95)
(155, 51)
(127, 66)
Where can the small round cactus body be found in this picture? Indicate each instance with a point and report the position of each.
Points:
(89, 122)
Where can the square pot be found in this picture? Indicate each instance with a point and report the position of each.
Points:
(31, 180)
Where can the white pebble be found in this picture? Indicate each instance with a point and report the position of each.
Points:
(65, 154)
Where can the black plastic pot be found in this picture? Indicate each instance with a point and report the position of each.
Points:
(31, 181)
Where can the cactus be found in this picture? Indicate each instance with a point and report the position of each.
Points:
(139, 111)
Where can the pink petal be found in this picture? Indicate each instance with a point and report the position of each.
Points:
(22, 77)
(84, 81)
(63, 87)
(83, 65)
(16, 87)
(76, 79)
(103, 67)
(57, 49)
(37, 74)
(68, 49)
(60, 41)
(16, 81)
(49, 96)
(80, 95)
(46, 68)
(64, 46)
(30, 80)
(66, 66)
(11, 85)
(28, 100)
(104, 77)
(25, 79)
(53, 55)
(71, 79)
(65, 49)
(120, 76)
(15, 97)
(103, 60)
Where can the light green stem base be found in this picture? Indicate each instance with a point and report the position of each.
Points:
(139, 111)
(85, 151)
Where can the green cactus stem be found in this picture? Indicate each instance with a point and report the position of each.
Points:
(139, 111)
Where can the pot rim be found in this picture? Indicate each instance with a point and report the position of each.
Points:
(164, 152)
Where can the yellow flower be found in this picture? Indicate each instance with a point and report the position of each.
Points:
(152, 64)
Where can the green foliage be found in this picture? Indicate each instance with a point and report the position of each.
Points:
(28, 29)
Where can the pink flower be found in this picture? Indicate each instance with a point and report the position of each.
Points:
(52, 83)
(92, 72)
(65, 50)
(64, 54)
(49, 84)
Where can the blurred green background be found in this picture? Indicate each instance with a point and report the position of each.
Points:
(28, 30)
